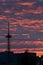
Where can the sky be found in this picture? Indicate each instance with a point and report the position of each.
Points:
(26, 25)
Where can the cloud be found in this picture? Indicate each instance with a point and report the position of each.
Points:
(24, 11)
(26, 3)
(26, 23)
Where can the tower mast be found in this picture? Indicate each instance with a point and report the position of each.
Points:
(8, 38)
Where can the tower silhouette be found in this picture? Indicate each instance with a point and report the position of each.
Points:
(8, 38)
(8, 46)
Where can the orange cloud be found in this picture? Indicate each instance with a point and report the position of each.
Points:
(13, 29)
(2, 17)
(39, 10)
(41, 30)
(29, 43)
(28, 21)
(3, 29)
(38, 42)
(26, 3)
(20, 13)
(7, 11)
(30, 50)
(39, 53)
(2, 50)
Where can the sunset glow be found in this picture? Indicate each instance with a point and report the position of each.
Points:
(26, 25)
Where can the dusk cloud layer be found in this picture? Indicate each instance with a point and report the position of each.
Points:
(26, 23)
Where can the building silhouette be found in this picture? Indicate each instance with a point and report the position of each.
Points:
(26, 58)
(19, 59)
(29, 59)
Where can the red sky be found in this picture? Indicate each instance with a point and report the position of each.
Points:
(26, 25)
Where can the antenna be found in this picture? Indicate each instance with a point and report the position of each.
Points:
(8, 38)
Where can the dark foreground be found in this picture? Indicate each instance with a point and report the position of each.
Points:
(9, 58)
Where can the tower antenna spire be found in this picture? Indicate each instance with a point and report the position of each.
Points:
(8, 37)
